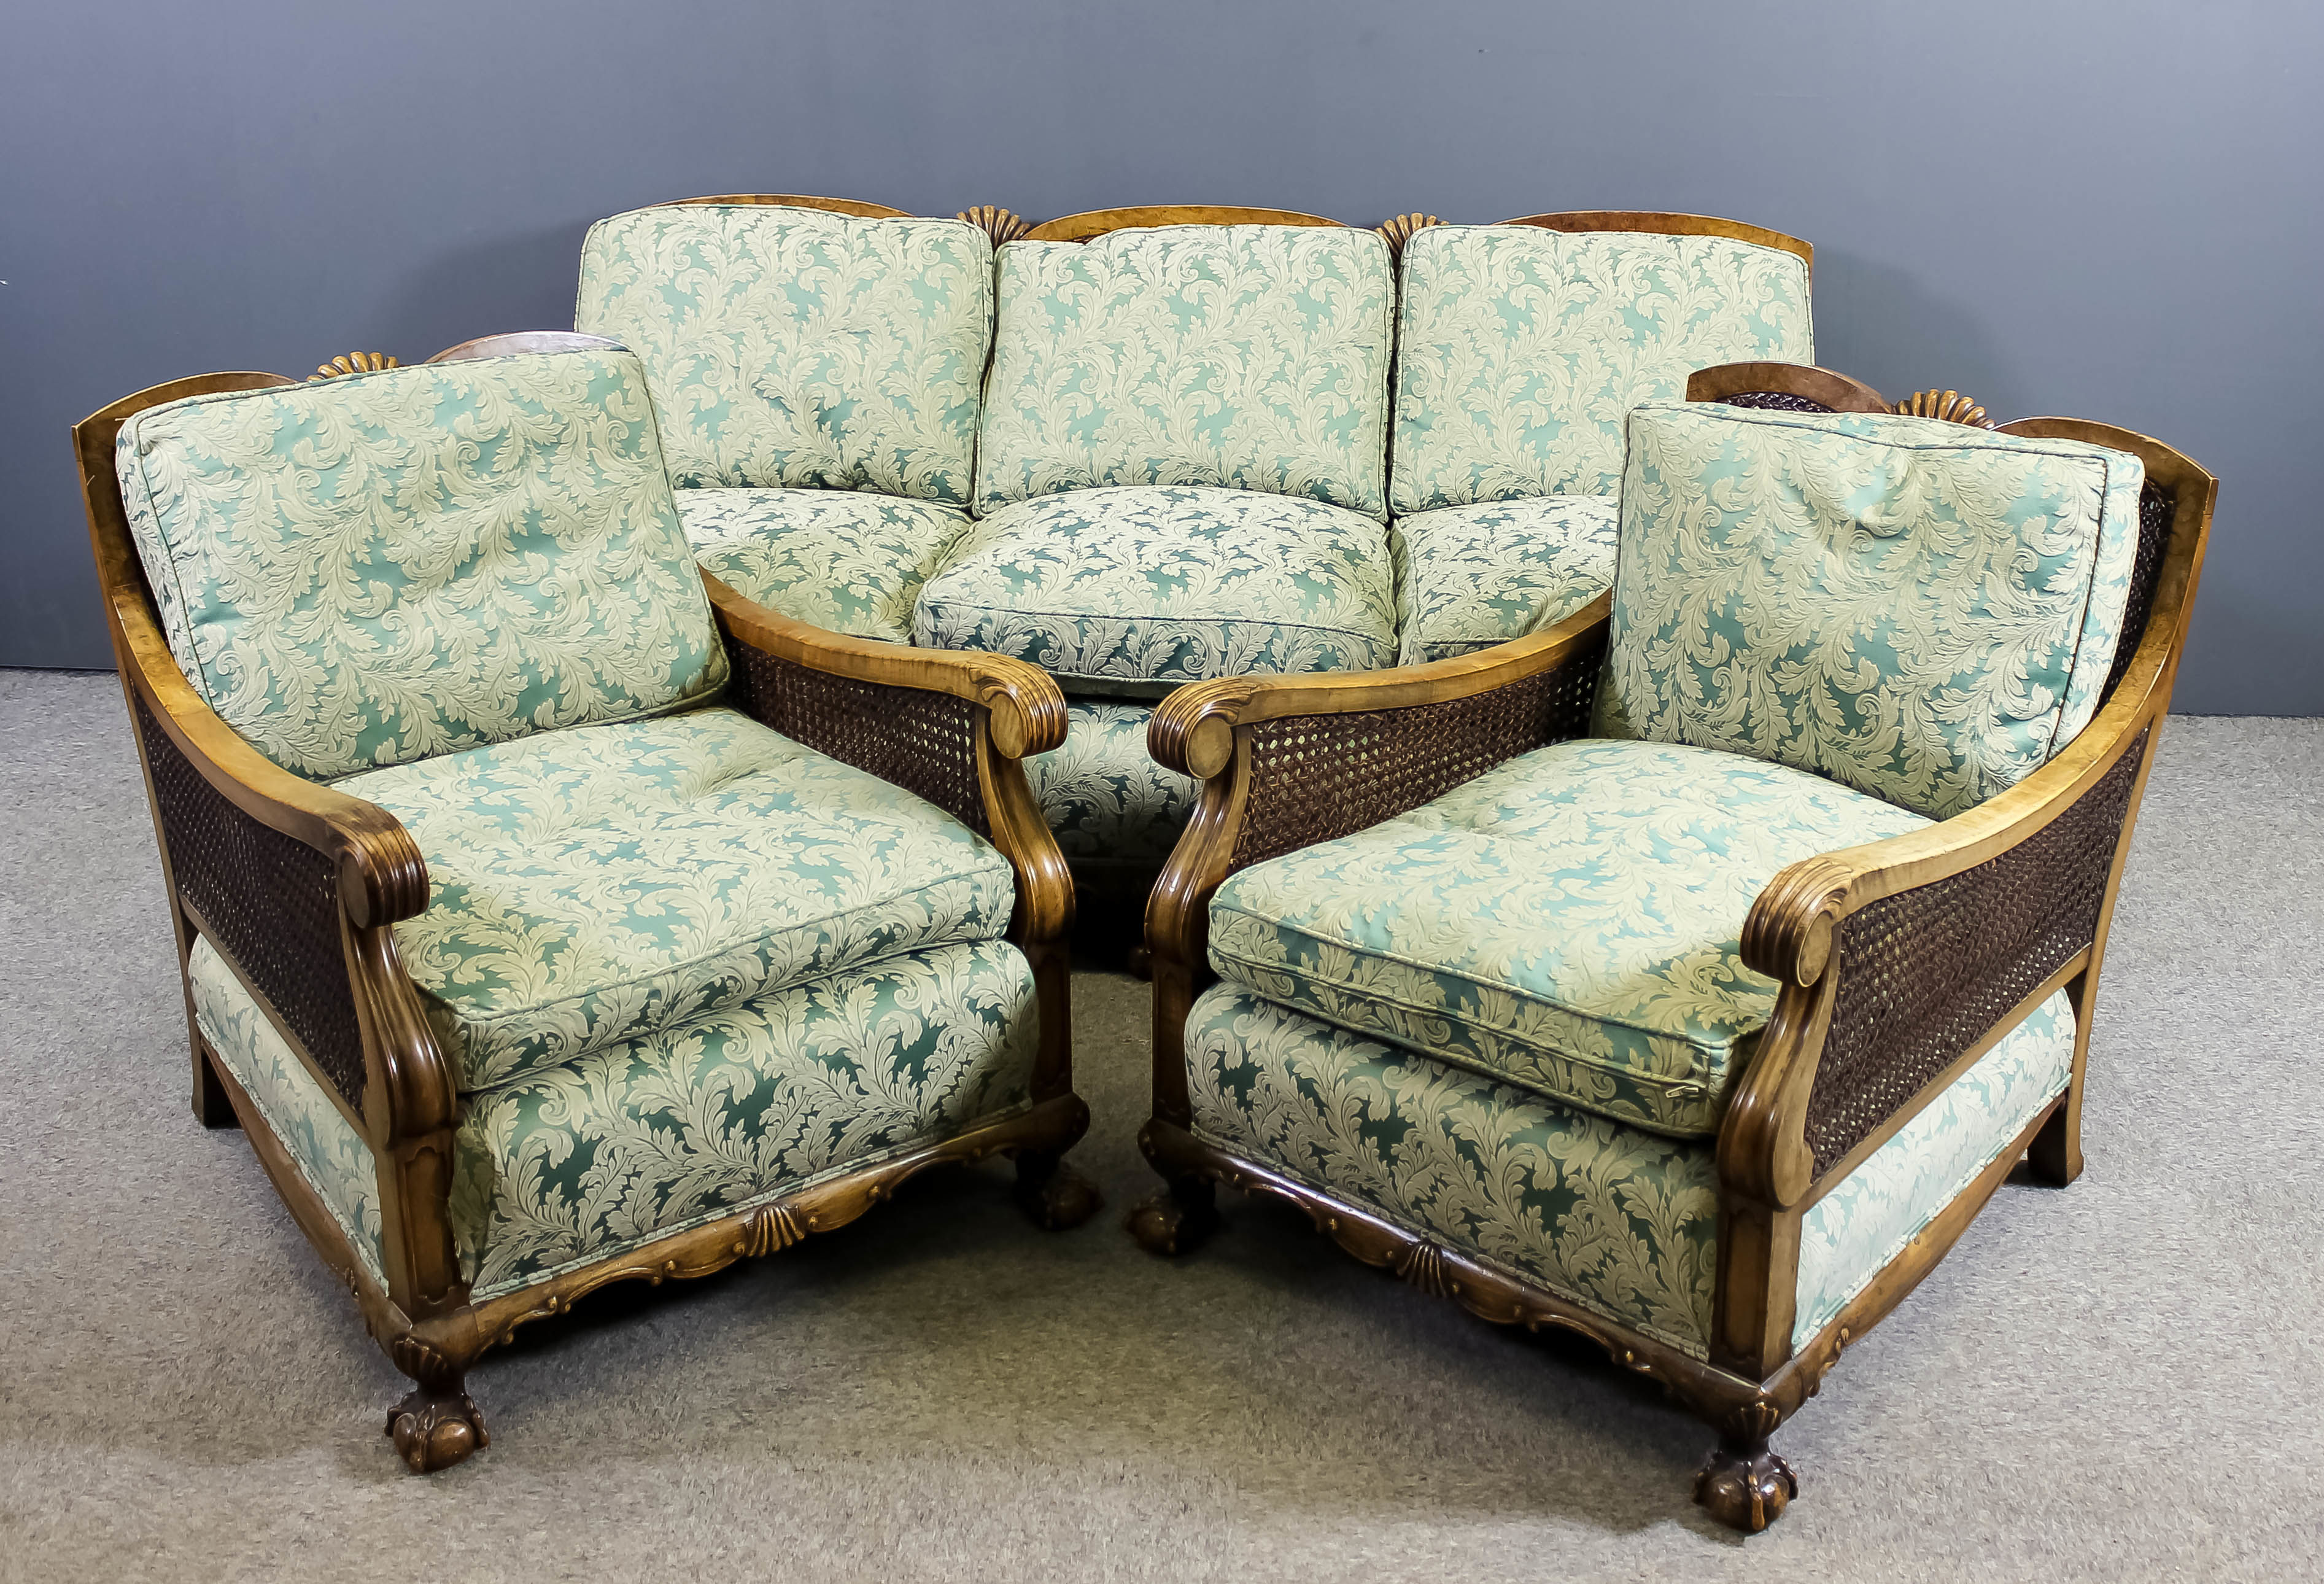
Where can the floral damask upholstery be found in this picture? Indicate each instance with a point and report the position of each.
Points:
(1620, 1220)
(1850, 1234)
(1567, 923)
(1519, 349)
(1613, 1218)
(322, 1143)
(848, 561)
(1135, 590)
(1103, 795)
(794, 347)
(1250, 357)
(1921, 610)
(702, 1118)
(596, 886)
(694, 1120)
(380, 568)
(1468, 578)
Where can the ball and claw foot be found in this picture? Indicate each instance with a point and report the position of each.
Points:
(1176, 1220)
(435, 1429)
(1745, 1485)
(1055, 1195)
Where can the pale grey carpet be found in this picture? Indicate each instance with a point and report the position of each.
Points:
(2124, 1380)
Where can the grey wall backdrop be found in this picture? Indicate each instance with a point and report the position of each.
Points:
(2105, 209)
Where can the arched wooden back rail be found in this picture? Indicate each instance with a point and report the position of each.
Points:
(1081, 228)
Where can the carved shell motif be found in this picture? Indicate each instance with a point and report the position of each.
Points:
(351, 363)
(1950, 405)
(1423, 1264)
(1001, 225)
(1398, 231)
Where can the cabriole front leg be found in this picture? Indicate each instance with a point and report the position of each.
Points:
(436, 1424)
(1743, 1484)
(1177, 1220)
(1053, 1192)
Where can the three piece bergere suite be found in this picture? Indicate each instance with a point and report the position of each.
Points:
(1628, 820)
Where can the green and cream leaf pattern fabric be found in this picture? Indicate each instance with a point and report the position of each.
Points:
(592, 886)
(317, 1136)
(1519, 349)
(1569, 922)
(1134, 590)
(380, 567)
(1104, 794)
(797, 348)
(847, 560)
(1921, 610)
(1621, 1222)
(1252, 357)
(708, 1118)
(1850, 1233)
(1468, 578)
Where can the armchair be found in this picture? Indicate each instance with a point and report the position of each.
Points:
(542, 935)
(1899, 1012)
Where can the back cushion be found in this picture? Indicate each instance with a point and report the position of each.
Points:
(394, 565)
(795, 348)
(1520, 348)
(1921, 610)
(1248, 356)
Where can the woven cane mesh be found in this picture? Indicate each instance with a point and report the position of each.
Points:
(268, 902)
(2157, 509)
(1925, 973)
(923, 742)
(1317, 777)
(1774, 401)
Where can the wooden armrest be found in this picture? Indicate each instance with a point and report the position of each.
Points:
(1788, 934)
(1026, 707)
(382, 876)
(1289, 761)
(958, 744)
(1901, 961)
(1193, 730)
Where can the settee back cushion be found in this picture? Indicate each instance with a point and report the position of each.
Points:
(1921, 610)
(386, 567)
(1519, 349)
(1247, 356)
(796, 347)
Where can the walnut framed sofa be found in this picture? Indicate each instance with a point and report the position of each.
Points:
(550, 914)
(1687, 974)
(1140, 446)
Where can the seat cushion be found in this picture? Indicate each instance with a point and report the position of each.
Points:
(757, 1101)
(1921, 610)
(1135, 590)
(1615, 1220)
(593, 885)
(849, 560)
(1105, 796)
(1519, 349)
(1468, 578)
(1254, 357)
(797, 349)
(372, 570)
(1568, 922)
